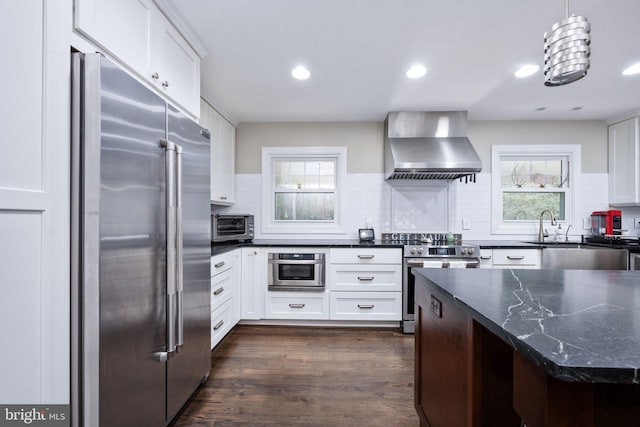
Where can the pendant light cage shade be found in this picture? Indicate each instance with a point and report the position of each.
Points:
(567, 48)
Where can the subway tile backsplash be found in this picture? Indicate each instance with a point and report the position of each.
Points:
(425, 206)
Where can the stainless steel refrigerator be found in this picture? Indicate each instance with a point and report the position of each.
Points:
(141, 251)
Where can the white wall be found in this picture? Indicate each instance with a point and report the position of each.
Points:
(436, 207)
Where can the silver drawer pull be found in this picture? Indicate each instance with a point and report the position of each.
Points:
(219, 325)
(367, 306)
(515, 258)
(485, 257)
(365, 256)
(368, 278)
(296, 305)
(220, 264)
(218, 291)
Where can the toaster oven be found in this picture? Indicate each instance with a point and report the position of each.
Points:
(226, 227)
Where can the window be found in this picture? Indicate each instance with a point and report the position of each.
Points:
(526, 180)
(302, 187)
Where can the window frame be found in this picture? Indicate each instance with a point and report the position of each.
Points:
(272, 226)
(572, 152)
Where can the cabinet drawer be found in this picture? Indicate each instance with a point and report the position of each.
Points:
(344, 277)
(291, 305)
(220, 263)
(486, 258)
(221, 322)
(221, 288)
(366, 305)
(366, 256)
(516, 257)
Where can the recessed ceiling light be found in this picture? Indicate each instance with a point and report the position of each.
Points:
(416, 71)
(634, 69)
(300, 73)
(527, 70)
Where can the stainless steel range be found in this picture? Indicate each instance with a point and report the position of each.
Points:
(429, 250)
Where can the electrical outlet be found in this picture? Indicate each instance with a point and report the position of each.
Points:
(466, 224)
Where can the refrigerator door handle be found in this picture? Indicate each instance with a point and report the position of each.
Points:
(179, 252)
(170, 168)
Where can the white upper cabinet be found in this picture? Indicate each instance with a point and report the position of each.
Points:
(137, 34)
(123, 27)
(176, 65)
(223, 155)
(624, 163)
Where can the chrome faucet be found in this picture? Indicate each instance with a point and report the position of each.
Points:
(566, 235)
(541, 232)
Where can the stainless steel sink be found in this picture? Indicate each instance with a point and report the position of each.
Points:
(563, 257)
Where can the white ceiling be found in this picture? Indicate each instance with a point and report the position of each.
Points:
(359, 50)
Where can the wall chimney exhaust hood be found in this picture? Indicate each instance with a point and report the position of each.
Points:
(429, 145)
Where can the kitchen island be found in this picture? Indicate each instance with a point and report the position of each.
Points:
(548, 347)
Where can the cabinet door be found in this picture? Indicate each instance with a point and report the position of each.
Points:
(253, 284)
(228, 161)
(222, 159)
(177, 65)
(623, 163)
(122, 27)
(34, 203)
(442, 360)
(236, 308)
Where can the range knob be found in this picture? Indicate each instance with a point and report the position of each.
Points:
(420, 250)
(471, 251)
(463, 251)
(414, 251)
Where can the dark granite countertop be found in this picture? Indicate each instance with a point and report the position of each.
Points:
(578, 325)
(503, 244)
(220, 248)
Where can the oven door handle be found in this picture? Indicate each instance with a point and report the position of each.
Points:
(297, 262)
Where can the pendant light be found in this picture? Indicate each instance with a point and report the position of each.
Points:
(567, 50)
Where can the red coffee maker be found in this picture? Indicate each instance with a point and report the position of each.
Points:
(606, 223)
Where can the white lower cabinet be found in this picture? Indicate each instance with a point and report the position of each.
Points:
(511, 258)
(297, 305)
(365, 284)
(254, 283)
(221, 322)
(366, 306)
(486, 258)
(225, 294)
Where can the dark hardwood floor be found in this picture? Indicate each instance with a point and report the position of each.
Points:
(301, 376)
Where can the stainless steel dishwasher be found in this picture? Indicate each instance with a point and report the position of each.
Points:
(568, 257)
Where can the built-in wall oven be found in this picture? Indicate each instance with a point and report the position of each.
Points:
(431, 253)
(293, 271)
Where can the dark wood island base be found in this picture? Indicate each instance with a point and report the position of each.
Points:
(466, 375)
